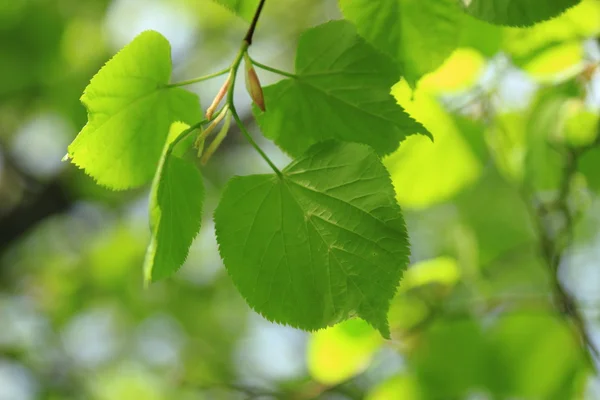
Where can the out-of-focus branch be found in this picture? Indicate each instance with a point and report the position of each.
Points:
(553, 244)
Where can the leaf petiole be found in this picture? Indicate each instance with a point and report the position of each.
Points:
(186, 133)
(234, 68)
(271, 69)
(199, 79)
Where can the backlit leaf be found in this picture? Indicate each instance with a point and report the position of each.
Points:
(419, 34)
(130, 111)
(243, 8)
(340, 352)
(426, 173)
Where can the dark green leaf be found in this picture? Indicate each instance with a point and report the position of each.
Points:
(320, 244)
(175, 211)
(518, 12)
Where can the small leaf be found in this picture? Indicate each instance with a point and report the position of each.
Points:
(518, 12)
(340, 352)
(176, 203)
(320, 244)
(401, 387)
(426, 173)
(341, 91)
(419, 34)
(130, 111)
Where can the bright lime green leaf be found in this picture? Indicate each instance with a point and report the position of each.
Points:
(341, 91)
(517, 12)
(581, 124)
(559, 62)
(460, 71)
(129, 114)
(423, 286)
(127, 381)
(320, 244)
(420, 34)
(577, 24)
(399, 387)
(175, 211)
(426, 173)
(442, 270)
(338, 353)
(243, 8)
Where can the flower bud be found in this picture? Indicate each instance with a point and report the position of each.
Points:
(253, 84)
(217, 100)
(212, 148)
(214, 123)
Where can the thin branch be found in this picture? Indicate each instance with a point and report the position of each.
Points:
(271, 69)
(198, 79)
(250, 33)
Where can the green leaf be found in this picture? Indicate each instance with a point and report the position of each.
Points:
(341, 91)
(340, 352)
(242, 8)
(324, 242)
(400, 387)
(130, 111)
(419, 166)
(518, 12)
(175, 210)
(420, 34)
(451, 359)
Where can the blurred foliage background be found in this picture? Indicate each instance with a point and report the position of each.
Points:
(514, 170)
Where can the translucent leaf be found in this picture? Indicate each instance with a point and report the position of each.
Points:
(338, 353)
(558, 62)
(341, 91)
(320, 244)
(517, 12)
(130, 111)
(459, 72)
(426, 173)
(420, 34)
(442, 270)
(243, 8)
(175, 211)
(423, 286)
(581, 124)
(577, 24)
(399, 387)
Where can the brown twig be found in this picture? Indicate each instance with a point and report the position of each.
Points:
(250, 33)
